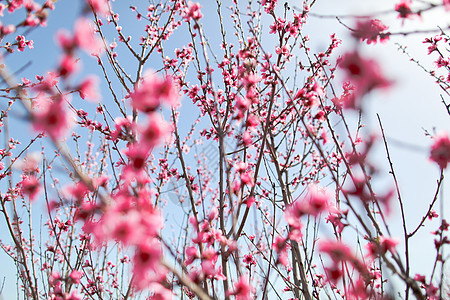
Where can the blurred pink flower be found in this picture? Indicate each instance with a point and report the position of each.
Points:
(75, 276)
(440, 150)
(51, 116)
(242, 289)
(160, 292)
(446, 3)
(316, 201)
(364, 74)
(388, 244)
(99, 6)
(336, 250)
(371, 30)
(85, 38)
(153, 132)
(192, 11)
(152, 91)
(191, 255)
(88, 89)
(404, 9)
(68, 65)
(147, 257)
(31, 187)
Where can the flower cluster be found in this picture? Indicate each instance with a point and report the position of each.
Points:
(440, 150)
(371, 31)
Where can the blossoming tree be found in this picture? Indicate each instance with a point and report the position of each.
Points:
(204, 150)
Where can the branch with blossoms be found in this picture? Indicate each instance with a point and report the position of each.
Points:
(138, 207)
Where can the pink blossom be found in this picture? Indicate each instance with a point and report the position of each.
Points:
(32, 21)
(213, 214)
(68, 65)
(137, 155)
(241, 166)
(54, 278)
(31, 186)
(384, 245)
(219, 275)
(7, 29)
(50, 116)
(88, 89)
(152, 91)
(159, 292)
(78, 191)
(242, 103)
(336, 250)
(280, 246)
(432, 292)
(99, 6)
(432, 215)
(269, 5)
(249, 201)
(249, 260)
(22, 43)
(314, 203)
(85, 38)
(85, 210)
(446, 3)
(404, 9)
(336, 220)
(333, 273)
(364, 74)
(247, 138)
(420, 278)
(318, 200)
(208, 268)
(72, 296)
(440, 150)
(192, 12)
(153, 132)
(371, 30)
(122, 124)
(75, 276)
(125, 227)
(191, 254)
(65, 40)
(46, 84)
(242, 289)
(147, 267)
(388, 244)
(150, 218)
(129, 220)
(147, 257)
(247, 179)
(293, 214)
(252, 121)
